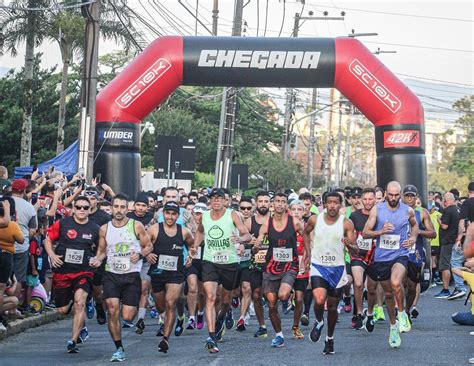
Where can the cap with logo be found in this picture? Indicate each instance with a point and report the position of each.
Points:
(171, 206)
(200, 207)
(19, 185)
(410, 189)
(356, 191)
(217, 192)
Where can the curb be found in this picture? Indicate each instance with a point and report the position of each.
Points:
(19, 326)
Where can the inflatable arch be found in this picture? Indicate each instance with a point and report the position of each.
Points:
(343, 63)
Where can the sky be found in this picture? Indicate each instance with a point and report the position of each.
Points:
(433, 40)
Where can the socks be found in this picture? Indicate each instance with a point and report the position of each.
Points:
(280, 334)
(192, 317)
(200, 312)
(329, 338)
(141, 313)
(394, 326)
(119, 344)
(320, 322)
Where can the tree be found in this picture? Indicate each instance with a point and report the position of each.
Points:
(463, 156)
(19, 26)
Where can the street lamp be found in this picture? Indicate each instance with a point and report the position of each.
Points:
(379, 51)
(354, 34)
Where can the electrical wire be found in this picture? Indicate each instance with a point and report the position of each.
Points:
(266, 20)
(437, 80)
(111, 2)
(50, 8)
(283, 18)
(420, 47)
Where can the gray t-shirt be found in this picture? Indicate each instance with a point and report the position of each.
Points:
(26, 218)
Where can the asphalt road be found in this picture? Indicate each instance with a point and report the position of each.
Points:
(433, 340)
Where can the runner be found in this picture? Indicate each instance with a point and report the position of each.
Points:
(417, 256)
(282, 260)
(361, 261)
(257, 263)
(332, 234)
(123, 242)
(74, 237)
(297, 208)
(394, 225)
(168, 272)
(220, 261)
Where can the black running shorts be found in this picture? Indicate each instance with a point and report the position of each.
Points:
(225, 274)
(127, 287)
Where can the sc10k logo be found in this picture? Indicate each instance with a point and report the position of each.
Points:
(143, 82)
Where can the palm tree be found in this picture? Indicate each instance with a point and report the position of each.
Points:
(20, 26)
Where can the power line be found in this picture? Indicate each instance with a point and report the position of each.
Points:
(49, 8)
(419, 46)
(111, 2)
(283, 18)
(437, 80)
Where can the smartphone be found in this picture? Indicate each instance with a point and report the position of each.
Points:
(34, 198)
(98, 177)
(35, 168)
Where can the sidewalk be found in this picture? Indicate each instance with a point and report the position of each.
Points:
(20, 325)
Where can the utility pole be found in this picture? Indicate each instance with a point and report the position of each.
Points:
(225, 147)
(339, 143)
(89, 92)
(312, 140)
(215, 16)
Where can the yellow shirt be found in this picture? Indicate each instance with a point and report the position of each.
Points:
(8, 236)
(434, 216)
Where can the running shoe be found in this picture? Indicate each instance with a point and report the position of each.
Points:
(360, 320)
(153, 313)
(211, 346)
(286, 307)
(179, 329)
(354, 322)
(127, 324)
(220, 330)
(200, 321)
(305, 320)
(297, 333)
(403, 322)
(140, 326)
(240, 325)
(163, 346)
(315, 333)
(340, 307)
(3, 328)
(71, 347)
(328, 347)
(191, 324)
(247, 319)
(118, 356)
(443, 294)
(90, 311)
(379, 314)
(161, 328)
(457, 294)
(394, 338)
(229, 320)
(261, 333)
(235, 302)
(415, 313)
(101, 316)
(369, 323)
(278, 342)
(83, 335)
(347, 304)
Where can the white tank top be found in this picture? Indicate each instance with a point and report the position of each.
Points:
(328, 248)
(121, 243)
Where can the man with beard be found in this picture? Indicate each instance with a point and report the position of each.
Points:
(333, 233)
(257, 262)
(123, 243)
(394, 226)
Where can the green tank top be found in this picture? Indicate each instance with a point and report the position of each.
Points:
(218, 246)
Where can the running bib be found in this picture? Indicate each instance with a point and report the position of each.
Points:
(121, 264)
(246, 255)
(327, 259)
(390, 242)
(220, 258)
(168, 262)
(260, 256)
(364, 244)
(74, 256)
(282, 254)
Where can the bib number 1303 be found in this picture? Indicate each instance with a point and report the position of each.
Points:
(282, 254)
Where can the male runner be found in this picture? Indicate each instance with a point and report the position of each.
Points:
(282, 260)
(394, 225)
(74, 236)
(220, 261)
(332, 234)
(361, 261)
(416, 258)
(257, 263)
(167, 273)
(123, 242)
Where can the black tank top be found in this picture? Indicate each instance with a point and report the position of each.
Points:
(255, 227)
(282, 239)
(170, 251)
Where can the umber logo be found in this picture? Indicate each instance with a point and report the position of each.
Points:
(375, 86)
(139, 86)
(401, 138)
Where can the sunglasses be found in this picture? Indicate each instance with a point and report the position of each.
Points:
(85, 208)
(245, 208)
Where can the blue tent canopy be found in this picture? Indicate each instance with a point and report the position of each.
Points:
(65, 162)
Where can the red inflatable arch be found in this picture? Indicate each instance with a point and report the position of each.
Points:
(342, 63)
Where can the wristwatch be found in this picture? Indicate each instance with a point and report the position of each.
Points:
(140, 256)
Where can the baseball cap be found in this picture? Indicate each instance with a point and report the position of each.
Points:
(171, 206)
(217, 192)
(410, 189)
(19, 185)
(293, 196)
(470, 187)
(199, 208)
(356, 191)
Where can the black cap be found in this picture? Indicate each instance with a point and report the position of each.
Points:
(217, 192)
(171, 206)
(470, 187)
(410, 189)
(356, 191)
(142, 197)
